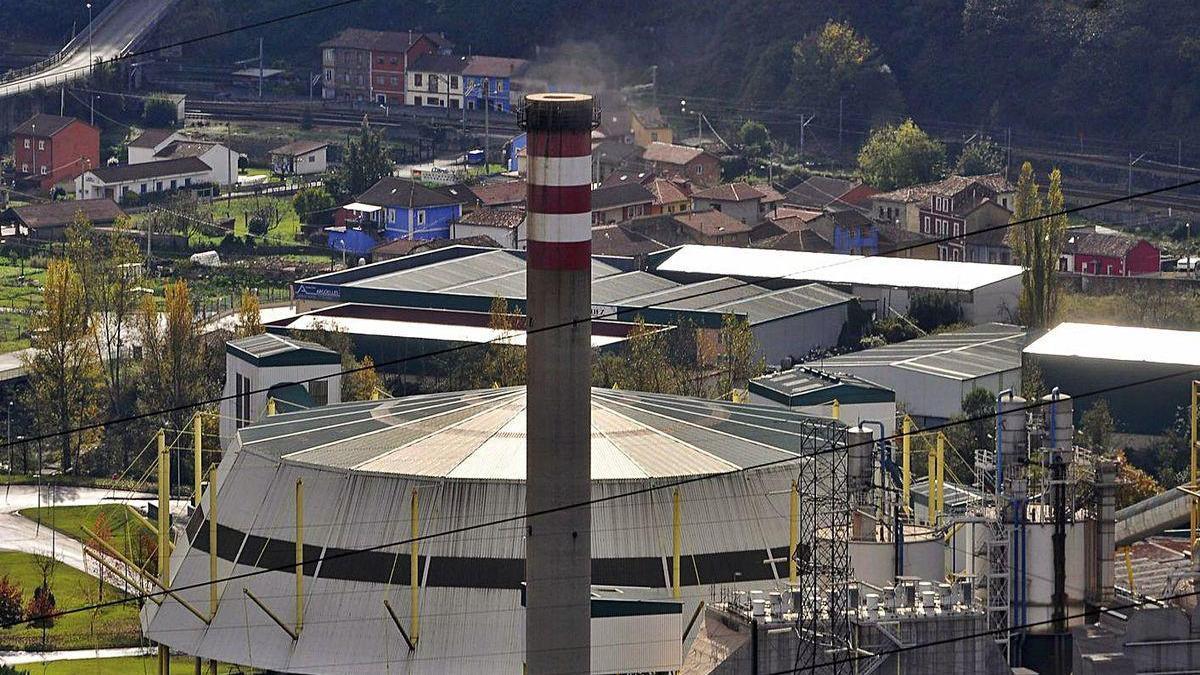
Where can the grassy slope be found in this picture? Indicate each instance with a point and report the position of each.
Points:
(115, 626)
(180, 665)
(70, 520)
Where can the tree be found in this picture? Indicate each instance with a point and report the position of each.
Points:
(314, 205)
(980, 158)
(1097, 426)
(647, 367)
(159, 112)
(503, 363)
(1036, 240)
(180, 213)
(741, 353)
(931, 311)
(1133, 484)
(173, 361)
(755, 138)
(249, 317)
(365, 163)
(11, 611)
(362, 382)
(838, 68)
(897, 156)
(63, 367)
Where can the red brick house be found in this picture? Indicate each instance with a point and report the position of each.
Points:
(1087, 251)
(361, 64)
(48, 149)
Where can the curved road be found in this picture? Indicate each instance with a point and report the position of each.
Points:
(114, 33)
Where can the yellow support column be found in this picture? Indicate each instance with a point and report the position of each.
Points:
(794, 535)
(164, 534)
(1194, 449)
(676, 542)
(212, 553)
(270, 407)
(836, 409)
(197, 460)
(941, 473)
(906, 462)
(1129, 567)
(299, 554)
(931, 478)
(413, 578)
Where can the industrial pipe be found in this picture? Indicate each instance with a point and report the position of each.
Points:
(676, 543)
(413, 578)
(794, 534)
(905, 462)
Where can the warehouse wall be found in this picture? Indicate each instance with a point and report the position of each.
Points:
(799, 334)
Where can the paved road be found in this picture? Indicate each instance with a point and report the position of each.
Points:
(114, 32)
(18, 533)
(38, 658)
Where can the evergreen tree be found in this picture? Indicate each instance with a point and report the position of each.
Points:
(980, 158)
(365, 163)
(1036, 241)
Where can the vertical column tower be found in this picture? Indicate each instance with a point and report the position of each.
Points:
(558, 563)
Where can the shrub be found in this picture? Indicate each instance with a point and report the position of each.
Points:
(10, 602)
(41, 608)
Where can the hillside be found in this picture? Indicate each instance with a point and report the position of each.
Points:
(1068, 67)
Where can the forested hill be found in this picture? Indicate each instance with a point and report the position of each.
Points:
(1113, 68)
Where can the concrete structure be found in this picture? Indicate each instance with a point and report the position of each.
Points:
(985, 292)
(371, 65)
(49, 150)
(813, 392)
(141, 149)
(1090, 357)
(558, 565)
(938, 207)
(300, 158)
(117, 182)
(931, 375)
(272, 366)
(506, 227)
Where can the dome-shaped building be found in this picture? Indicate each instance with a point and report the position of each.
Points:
(463, 457)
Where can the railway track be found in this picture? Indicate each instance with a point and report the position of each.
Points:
(402, 118)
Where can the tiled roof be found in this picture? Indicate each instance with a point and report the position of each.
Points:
(800, 215)
(796, 240)
(617, 152)
(1094, 243)
(62, 213)
(732, 192)
(623, 194)
(650, 118)
(162, 168)
(177, 149)
(818, 191)
(501, 194)
(671, 153)
(297, 148)
(493, 217)
(391, 191)
(494, 66)
(401, 247)
(44, 125)
(712, 223)
(619, 241)
(384, 41)
(946, 187)
(666, 191)
(439, 63)
(151, 138)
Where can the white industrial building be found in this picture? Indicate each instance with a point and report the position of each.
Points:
(271, 366)
(456, 460)
(931, 375)
(986, 292)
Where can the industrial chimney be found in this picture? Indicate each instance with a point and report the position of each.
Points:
(558, 560)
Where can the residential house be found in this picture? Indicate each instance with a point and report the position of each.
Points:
(150, 141)
(1108, 253)
(489, 82)
(221, 161)
(515, 154)
(616, 123)
(409, 210)
(648, 126)
(939, 209)
(436, 80)
(709, 227)
(820, 192)
(618, 203)
(987, 233)
(751, 204)
(370, 65)
(620, 240)
(785, 219)
(49, 221)
(670, 196)
(506, 227)
(695, 165)
(300, 158)
(128, 182)
(504, 194)
(614, 156)
(804, 239)
(849, 232)
(49, 150)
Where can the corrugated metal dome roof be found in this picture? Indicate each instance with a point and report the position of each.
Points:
(480, 435)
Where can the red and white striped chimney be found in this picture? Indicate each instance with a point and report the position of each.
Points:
(558, 560)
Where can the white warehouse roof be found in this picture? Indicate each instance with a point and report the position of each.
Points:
(1120, 343)
(834, 268)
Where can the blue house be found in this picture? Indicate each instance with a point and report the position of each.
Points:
(512, 149)
(487, 82)
(409, 210)
(350, 240)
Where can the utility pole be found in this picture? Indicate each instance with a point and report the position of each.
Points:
(91, 59)
(841, 109)
(1008, 152)
(260, 67)
(804, 123)
(487, 107)
(1129, 180)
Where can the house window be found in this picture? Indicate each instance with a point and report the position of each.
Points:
(25, 167)
(26, 143)
(312, 158)
(654, 135)
(187, 181)
(143, 188)
(393, 60)
(454, 82)
(158, 186)
(359, 79)
(319, 390)
(391, 215)
(395, 81)
(699, 169)
(173, 184)
(41, 144)
(43, 170)
(418, 79)
(380, 60)
(328, 74)
(420, 217)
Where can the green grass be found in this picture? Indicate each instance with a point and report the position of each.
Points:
(111, 626)
(125, 528)
(238, 208)
(131, 665)
(70, 481)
